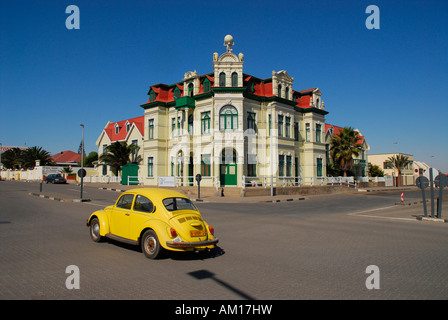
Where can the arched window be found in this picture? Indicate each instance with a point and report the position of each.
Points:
(222, 79)
(228, 156)
(287, 93)
(176, 93)
(279, 90)
(190, 90)
(206, 85)
(152, 95)
(234, 79)
(228, 118)
(205, 122)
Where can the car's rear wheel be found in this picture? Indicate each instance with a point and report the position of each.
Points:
(95, 230)
(150, 244)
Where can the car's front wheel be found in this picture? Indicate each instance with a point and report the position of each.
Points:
(95, 230)
(150, 244)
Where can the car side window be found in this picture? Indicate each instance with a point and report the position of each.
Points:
(125, 202)
(143, 204)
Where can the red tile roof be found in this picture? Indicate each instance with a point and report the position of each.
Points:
(66, 156)
(337, 129)
(122, 133)
(262, 88)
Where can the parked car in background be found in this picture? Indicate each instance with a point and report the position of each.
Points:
(55, 178)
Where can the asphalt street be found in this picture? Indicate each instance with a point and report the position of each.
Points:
(318, 248)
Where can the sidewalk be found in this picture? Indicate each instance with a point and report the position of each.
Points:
(115, 187)
(407, 210)
(404, 213)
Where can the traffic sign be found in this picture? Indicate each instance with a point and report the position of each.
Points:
(441, 181)
(82, 173)
(422, 182)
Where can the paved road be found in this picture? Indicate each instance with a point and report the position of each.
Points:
(318, 248)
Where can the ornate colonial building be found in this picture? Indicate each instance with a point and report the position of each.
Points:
(227, 125)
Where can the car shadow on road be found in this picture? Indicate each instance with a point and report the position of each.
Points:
(201, 255)
(173, 255)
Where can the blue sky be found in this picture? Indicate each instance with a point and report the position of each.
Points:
(390, 83)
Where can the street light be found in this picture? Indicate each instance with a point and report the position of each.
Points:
(82, 157)
(1, 166)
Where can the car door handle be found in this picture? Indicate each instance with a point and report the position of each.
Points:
(126, 214)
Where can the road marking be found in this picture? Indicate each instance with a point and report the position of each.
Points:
(77, 190)
(96, 204)
(358, 214)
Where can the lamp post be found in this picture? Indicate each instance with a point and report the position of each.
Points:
(82, 158)
(1, 166)
(271, 125)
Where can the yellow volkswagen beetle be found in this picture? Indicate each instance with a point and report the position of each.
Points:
(155, 219)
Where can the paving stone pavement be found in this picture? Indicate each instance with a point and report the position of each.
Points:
(266, 251)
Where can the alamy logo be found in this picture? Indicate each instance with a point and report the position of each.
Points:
(72, 21)
(373, 20)
(72, 281)
(373, 281)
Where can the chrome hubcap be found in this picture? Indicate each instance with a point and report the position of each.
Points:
(96, 230)
(150, 245)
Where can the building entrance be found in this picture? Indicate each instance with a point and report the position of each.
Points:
(228, 172)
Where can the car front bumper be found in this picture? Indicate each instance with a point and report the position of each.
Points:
(184, 245)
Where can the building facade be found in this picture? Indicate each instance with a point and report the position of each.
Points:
(130, 131)
(232, 127)
(360, 168)
(407, 173)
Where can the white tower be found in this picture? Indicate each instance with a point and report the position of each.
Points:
(228, 67)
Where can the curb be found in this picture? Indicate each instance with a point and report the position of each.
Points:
(432, 219)
(284, 200)
(57, 199)
(112, 189)
(410, 203)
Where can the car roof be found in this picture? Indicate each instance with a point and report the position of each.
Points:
(157, 193)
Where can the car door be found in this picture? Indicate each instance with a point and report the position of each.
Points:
(142, 211)
(121, 216)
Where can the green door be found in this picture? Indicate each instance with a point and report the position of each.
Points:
(228, 174)
(129, 174)
(227, 168)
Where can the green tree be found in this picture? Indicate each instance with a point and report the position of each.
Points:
(30, 155)
(118, 154)
(375, 171)
(399, 162)
(333, 171)
(12, 158)
(67, 170)
(90, 159)
(345, 146)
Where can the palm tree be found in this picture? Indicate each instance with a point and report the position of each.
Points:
(30, 155)
(399, 162)
(118, 154)
(344, 146)
(12, 158)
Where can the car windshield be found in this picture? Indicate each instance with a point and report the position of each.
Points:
(174, 204)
